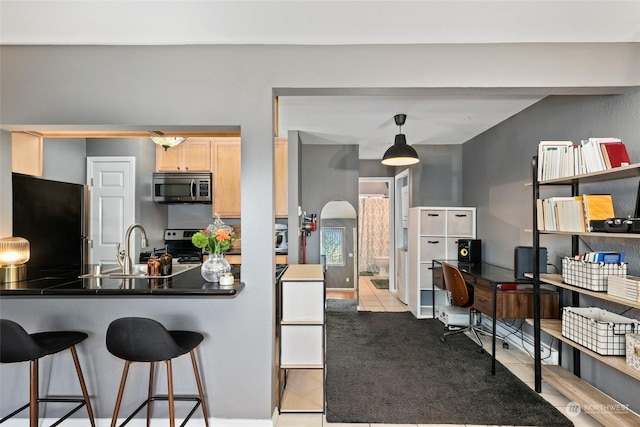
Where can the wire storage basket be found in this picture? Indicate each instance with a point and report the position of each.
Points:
(590, 275)
(598, 330)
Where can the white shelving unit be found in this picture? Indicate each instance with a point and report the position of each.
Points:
(433, 234)
(570, 384)
(302, 335)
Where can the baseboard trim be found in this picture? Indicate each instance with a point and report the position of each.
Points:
(155, 422)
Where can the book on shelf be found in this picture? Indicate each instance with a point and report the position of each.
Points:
(606, 257)
(551, 154)
(561, 159)
(540, 214)
(627, 287)
(561, 214)
(615, 154)
(597, 207)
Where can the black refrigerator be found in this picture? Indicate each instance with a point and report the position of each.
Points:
(51, 215)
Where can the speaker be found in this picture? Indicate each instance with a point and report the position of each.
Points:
(523, 261)
(469, 250)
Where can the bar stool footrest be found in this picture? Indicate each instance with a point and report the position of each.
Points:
(176, 398)
(81, 403)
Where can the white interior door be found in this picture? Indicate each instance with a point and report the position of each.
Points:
(111, 208)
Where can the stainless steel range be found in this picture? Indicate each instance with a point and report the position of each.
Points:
(178, 243)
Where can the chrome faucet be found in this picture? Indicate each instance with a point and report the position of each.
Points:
(124, 257)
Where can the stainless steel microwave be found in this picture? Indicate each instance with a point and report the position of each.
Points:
(182, 187)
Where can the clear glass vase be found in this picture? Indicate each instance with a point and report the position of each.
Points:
(213, 267)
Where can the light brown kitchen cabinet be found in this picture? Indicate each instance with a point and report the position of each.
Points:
(280, 178)
(193, 155)
(26, 153)
(225, 161)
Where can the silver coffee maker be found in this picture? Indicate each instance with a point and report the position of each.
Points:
(281, 239)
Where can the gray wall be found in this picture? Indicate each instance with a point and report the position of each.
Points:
(436, 180)
(375, 168)
(497, 164)
(328, 172)
(152, 216)
(65, 160)
(6, 194)
(233, 86)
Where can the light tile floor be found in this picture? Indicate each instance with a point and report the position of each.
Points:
(374, 299)
(520, 363)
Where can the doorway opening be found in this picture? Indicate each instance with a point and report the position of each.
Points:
(376, 244)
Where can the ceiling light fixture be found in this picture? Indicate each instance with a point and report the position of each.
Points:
(166, 141)
(400, 153)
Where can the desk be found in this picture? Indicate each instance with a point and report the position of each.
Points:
(489, 299)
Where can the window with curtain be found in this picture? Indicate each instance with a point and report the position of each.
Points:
(332, 242)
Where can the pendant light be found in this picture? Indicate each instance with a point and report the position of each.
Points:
(166, 141)
(400, 153)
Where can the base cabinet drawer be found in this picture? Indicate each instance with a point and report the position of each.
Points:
(483, 301)
(517, 304)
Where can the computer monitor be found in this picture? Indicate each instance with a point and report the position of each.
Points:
(523, 261)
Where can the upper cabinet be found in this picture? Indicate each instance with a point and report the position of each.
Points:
(26, 153)
(225, 161)
(280, 178)
(221, 156)
(193, 155)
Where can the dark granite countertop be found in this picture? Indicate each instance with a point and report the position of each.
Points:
(67, 283)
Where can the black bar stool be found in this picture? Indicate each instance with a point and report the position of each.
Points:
(16, 345)
(137, 339)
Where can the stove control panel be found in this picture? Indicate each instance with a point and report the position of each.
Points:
(179, 234)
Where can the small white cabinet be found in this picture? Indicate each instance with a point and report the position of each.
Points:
(433, 235)
(301, 326)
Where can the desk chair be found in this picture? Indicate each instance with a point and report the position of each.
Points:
(16, 345)
(137, 339)
(461, 295)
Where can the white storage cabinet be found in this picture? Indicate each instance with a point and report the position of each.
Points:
(302, 334)
(433, 235)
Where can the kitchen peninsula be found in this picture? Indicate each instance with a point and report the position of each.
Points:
(63, 301)
(187, 283)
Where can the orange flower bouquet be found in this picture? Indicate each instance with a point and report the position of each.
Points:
(215, 239)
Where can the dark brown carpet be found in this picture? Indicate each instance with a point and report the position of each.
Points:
(391, 368)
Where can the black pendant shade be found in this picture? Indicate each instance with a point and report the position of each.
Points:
(400, 153)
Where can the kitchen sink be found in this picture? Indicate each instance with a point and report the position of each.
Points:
(138, 271)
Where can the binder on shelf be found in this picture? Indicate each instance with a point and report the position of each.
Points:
(597, 207)
(616, 154)
(613, 152)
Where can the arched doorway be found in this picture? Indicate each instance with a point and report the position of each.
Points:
(338, 244)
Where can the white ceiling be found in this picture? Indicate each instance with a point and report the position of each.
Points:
(317, 22)
(368, 121)
(364, 120)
